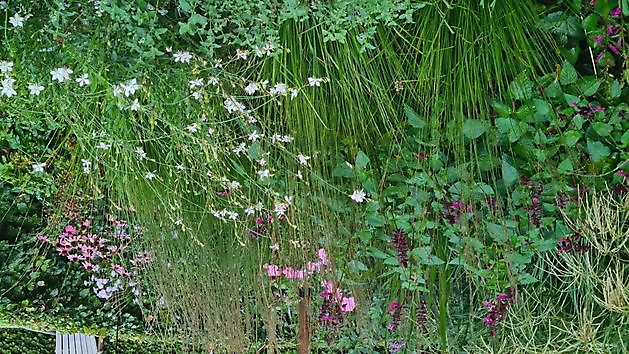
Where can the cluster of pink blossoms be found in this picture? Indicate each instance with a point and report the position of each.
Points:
(334, 305)
(273, 270)
(453, 211)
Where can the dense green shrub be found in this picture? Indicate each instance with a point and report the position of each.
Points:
(23, 341)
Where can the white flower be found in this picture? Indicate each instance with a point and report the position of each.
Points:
(6, 66)
(313, 81)
(168, 49)
(280, 209)
(35, 89)
(135, 105)
(282, 138)
(103, 146)
(250, 210)
(61, 74)
(240, 149)
(278, 89)
(264, 174)
(210, 131)
(275, 247)
(87, 166)
(38, 167)
(251, 88)
(193, 128)
(241, 54)
(259, 52)
(233, 185)
(302, 159)
(149, 175)
(213, 81)
(195, 83)
(262, 162)
(141, 154)
(218, 63)
(180, 167)
(258, 206)
(299, 175)
(7, 89)
(254, 136)
(17, 20)
(293, 93)
(232, 105)
(83, 80)
(197, 95)
(182, 57)
(129, 87)
(358, 196)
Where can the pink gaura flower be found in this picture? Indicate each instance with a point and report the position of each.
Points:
(348, 304)
(272, 270)
(323, 256)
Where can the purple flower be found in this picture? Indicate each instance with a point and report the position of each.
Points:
(401, 246)
(597, 40)
(615, 12)
(613, 49)
(613, 30)
(394, 347)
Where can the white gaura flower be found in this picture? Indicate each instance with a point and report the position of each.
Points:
(6, 66)
(280, 209)
(279, 89)
(259, 206)
(17, 20)
(218, 63)
(103, 146)
(197, 95)
(7, 87)
(275, 247)
(251, 88)
(140, 152)
(299, 174)
(241, 54)
(358, 196)
(61, 74)
(313, 81)
(259, 52)
(83, 80)
(303, 159)
(182, 57)
(240, 149)
(129, 87)
(262, 162)
(193, 128)
(264, 174)
(254, 136)
(250, 211)
(180, 167)
(213, 81)
(293, 93)
(149, 175)
(38, 167)
(168, 49)
(195, 83)
(35, 89)
(87, 166)
(210, 131)
(135, 105)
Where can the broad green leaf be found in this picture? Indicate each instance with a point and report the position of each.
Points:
(342, 170)
(553, 90)
(615, 89)
(589, 85)
(509, 173)
(361, 160)
(499, 233)
(376, 253)
(602, 129)
(521, 88)
(568, 74)
(511, 128)
(414, 119)
(565, 166)
(518, 258)
(597, 150)
(571, 137)
(526, 278)
(501, 108)
(473, 128)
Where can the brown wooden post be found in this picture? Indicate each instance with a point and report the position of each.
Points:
(304, 321)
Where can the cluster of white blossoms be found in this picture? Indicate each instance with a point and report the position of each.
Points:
(127, 88)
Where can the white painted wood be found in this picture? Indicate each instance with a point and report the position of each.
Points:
(58, 343)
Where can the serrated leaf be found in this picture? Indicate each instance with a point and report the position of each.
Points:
(521, 88)
(568, 74)
(589, 86)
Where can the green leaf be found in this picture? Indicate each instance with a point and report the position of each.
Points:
(571, 137)
(499, 233)
(565, 166)
(501, 108)
(517, 258)
(521, 88)
(414, 119)
(553, 90)
(376, 253)
(361, 160)
(473, 128)
(568, 74)
(602, 129)
(597, 150)
(509, 173)
(542, 108)
(615, 89)
(511, 128)
(342, 170)
(590, 23)
(526, 278)
(589, 86)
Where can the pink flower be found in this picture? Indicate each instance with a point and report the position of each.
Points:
(289, 273)
(272, 270)
(348, 304)
(394, 306)
(42, 238)
(597, 40)
(615, 12)
(313, 267)
(323, 256)
(71, 230)
(469, 208)
(488, 321)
